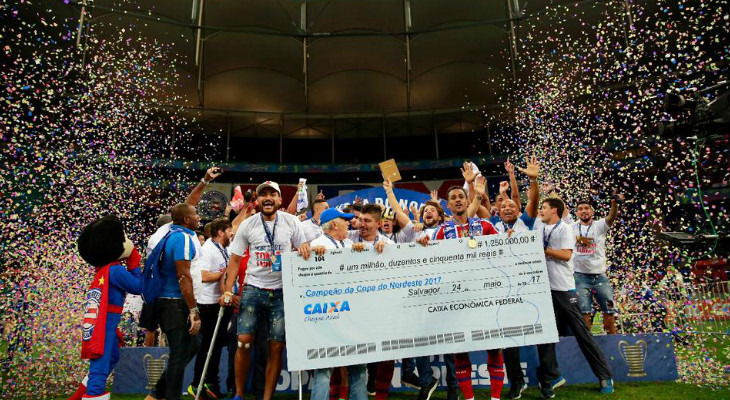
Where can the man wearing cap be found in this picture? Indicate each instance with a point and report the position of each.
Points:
(334, 227)
(267, 234)
(589, 262)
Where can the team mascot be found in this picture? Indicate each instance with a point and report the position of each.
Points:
(104, 245)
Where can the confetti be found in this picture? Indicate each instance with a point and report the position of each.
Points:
(80, 133)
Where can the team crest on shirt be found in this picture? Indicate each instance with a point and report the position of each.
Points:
(93, 300)
(585, 245)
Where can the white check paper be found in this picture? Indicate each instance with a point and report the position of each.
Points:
(349, 307)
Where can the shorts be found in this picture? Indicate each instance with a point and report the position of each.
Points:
(259, 303)
(589, 285)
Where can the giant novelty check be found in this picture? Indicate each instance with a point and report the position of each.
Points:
(349, 307)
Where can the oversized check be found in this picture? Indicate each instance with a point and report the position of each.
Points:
(349, 307)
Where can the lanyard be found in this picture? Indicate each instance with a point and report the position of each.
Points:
(545, 241)
(435, 233)
(580, 229)
(471, 224)
(359, 239)
(451, 231)
(335, 242)
(270, 235)
(508, 226)
(223, 252)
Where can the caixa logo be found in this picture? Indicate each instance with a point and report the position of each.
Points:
(326, 308)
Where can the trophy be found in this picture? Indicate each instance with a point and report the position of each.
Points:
(153, 368)
(634, 355)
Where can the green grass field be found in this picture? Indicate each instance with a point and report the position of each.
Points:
(624, 391)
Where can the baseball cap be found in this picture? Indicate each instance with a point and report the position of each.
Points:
(266, 184)
(332, 213)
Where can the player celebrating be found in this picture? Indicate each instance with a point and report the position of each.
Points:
(461, 227)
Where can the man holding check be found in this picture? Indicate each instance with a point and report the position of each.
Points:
(334, 226)
(267, 235)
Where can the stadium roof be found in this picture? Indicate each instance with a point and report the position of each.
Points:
(267, 68)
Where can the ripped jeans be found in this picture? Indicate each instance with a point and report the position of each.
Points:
(264, 303)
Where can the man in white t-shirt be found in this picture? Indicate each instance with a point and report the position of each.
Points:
(590, 263)
(368, 228)
(334, 236)
(311, 227)
(213, 262)
(266, 235)
(558, 242)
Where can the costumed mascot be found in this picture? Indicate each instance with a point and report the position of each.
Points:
(104, 245)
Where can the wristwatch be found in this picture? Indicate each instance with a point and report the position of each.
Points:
(194, 310)
(203, 181)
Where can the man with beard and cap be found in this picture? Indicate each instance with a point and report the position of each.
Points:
(590, 263)
(267, 235)
(559, 242)
(213, 263)
(510, 221)
(461, 226)
(334, 227)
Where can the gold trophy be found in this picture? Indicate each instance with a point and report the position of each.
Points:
(634, 355)
(153, 368)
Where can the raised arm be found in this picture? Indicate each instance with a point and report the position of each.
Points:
(611, 217)
(194, 197)
(479, 194)
(416, 214)
(292, 207)
(514, 189)
(467, 171)
(532, 171)
(435, 195)
(400, 216)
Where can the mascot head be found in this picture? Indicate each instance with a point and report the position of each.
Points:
(103, 241)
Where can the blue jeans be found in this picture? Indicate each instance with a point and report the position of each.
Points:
(598, 285)
(357, 379)
(257, 302)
